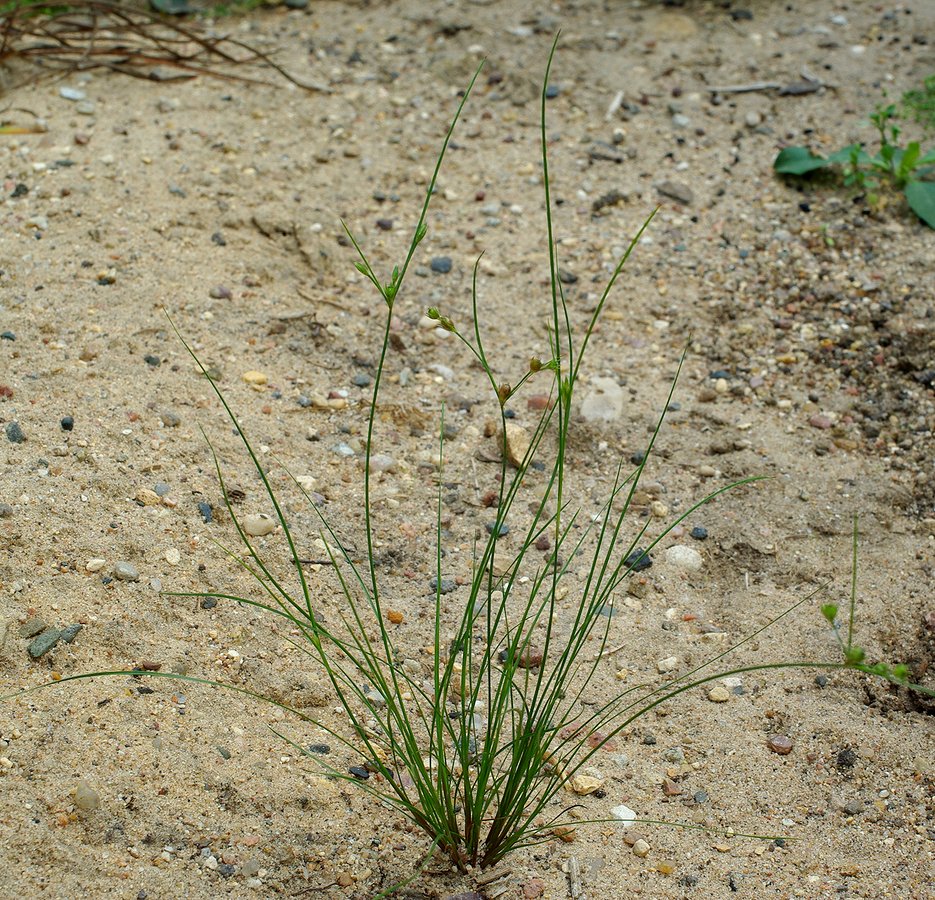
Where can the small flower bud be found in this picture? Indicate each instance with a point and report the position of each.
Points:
(433, 313)
(504, 391)
(535, 364)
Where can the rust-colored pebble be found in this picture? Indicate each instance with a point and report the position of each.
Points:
(779, 743)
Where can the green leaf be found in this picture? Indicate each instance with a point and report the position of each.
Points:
(921, 197)
(910, 159)
(852, 153)
(798, 161)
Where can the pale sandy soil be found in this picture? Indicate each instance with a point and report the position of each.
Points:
(822, 317)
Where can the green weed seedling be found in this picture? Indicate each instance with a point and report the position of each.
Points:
(481, 743)
(919, 104)
(907, 169)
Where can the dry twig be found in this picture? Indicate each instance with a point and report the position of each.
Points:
(91, 34)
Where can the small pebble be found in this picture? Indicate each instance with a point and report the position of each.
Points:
(359, 772)
(446, 587)
(67, 423)
(641, 849)
(552, 91)
(173, 556)
(44, 643)
(124, 571)
(517, 441)
(6, 511)
(624, 814)
(219, 292)
(667, 664)
(151, 360)
(205, 510)
(441, 264)
(32, 628)
(780, 743)
(638, 560)
(86, 798)
(258, 525)
(67, 635)
(95, 564)
(7, 336)
(14, 433)
(170, 419)
(819, 421)
(719, 694)
(853, 807)
(699, 533)
(381, 462)
(686, 559)
(254, 378)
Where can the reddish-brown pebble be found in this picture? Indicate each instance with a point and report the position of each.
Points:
(395, 616)
(819, 421)
(670, 788)
(533, 888)
(538, 402)
(779, 743)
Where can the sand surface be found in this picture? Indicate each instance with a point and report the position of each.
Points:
(220, 202)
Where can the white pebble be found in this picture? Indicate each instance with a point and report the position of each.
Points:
(95, 565)
(173, 556)
(625, 814)
(688, 559)
(667, 664)
(258, 525)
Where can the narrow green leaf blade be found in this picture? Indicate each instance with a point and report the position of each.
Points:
(921, 197)
(798, 161)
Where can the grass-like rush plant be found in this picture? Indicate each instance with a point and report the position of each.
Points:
(485, 752)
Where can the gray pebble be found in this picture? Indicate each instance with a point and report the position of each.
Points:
(70, 633)
(205, 510)
(32, 628)
(170, 419)
(6, 511)
(44, 643)
(124, 571)
(161, 488)
(854, 807)
(446, 587)
(14, 433)
(441, 264)
(674, 190)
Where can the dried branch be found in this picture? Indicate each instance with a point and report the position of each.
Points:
(90, 34)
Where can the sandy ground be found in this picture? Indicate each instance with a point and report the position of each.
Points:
(220, 203)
